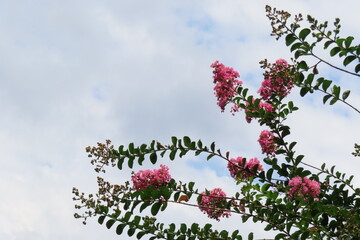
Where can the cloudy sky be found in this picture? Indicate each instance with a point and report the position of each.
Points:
(73, 73)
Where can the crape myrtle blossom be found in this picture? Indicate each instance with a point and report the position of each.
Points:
(212, 203)
(303, 188)
(266, 141)
(262, 105)
(156, 178)
(226, 84)
(278, 81)
(239, 168)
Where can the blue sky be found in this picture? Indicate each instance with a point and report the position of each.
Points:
(73, 73)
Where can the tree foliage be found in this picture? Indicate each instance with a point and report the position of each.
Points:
(294, 198)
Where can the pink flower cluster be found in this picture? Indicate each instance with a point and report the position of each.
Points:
(239, 168)
(303, 188)
(267, 143)
(156, 178)
(277, 82)
(211, 204)
(225, 83)
(264, 105)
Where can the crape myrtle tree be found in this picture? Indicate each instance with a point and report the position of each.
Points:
(295, 199)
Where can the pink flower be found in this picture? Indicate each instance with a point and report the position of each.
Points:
(239, 168)
(281, 62)
(155, 178)
(303, 188)
(264, 105)
(278, 81)
(212, 203)
(267, 143)
(225, 84)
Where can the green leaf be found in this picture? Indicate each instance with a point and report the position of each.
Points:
(120, 163)
(207, 227)
(131, 162)
(120, 228)
(305, 235)
(191, 185)
(269, 174)
(345, 94)
(244, 218)
(141, 159)
(164, 205)
(234, 234)
(140, 235)
(340, 41)
(251, 236)
(357, 68)
(348, 41)
(298, 53)
(155, 194)
(176, 196)
(131, 147)
(110, 223)
(299, 77)
(334, 51)
(343, 53)
(336, 91)
(131, 231)
(265, 187)
(212, 146)
(165, 192)
(280, 236)
(144, 205)
(143, 147)
(327, 44)
(309, 79)
(172, 154)
(121, 149)
(194, 228)
(199, 144)
(326, 84)
(292, 145)
(289, 39)
(332, 169)
(245, 92)
(305, 173)
(295, 46)
(136, 220)
(326, 97)
(101, 219)
(224, 234)
(181, 237)
(333, 101)
(172, 227)
(348, 60)
(187, 141)
(319, 81)
(183, 228)
(304, 33)
(304, 91)
(291, 105)
(298, 159)
(174, 140)
(303, 65)
(152, 144)
(153, 157)
(155, 208)
(126, 217)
